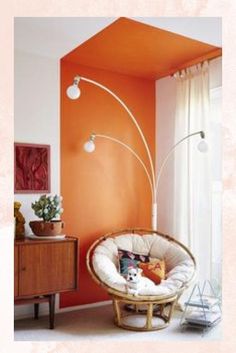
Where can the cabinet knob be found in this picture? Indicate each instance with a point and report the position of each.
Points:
(23, 268)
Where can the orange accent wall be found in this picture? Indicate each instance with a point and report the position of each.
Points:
(108, 189)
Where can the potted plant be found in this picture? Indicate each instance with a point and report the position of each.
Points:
(48, 208)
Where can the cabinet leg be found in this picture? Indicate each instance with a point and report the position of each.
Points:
(51, 310)
(36, 311)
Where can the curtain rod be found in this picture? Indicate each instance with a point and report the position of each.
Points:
(209, 56)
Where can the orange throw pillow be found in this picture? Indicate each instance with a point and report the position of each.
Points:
(154, 270)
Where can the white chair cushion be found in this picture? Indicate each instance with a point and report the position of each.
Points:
(179, 265)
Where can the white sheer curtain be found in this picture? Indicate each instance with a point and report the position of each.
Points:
(192, 186)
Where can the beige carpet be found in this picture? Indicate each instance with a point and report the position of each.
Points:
(97, 324)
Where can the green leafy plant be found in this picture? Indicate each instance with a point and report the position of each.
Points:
(48, 207)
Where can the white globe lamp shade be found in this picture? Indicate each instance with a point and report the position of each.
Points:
(89, 146)
(73, 91)
(202, 146)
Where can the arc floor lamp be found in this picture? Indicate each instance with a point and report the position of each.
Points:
(73, 92)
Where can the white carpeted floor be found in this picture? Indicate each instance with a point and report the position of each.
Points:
(97, 324)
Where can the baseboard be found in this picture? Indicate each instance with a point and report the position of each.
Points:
(27, 311)
(84, 306)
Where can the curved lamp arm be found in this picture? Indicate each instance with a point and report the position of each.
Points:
(75, 86)
(92, 138)
(201, 133)
(73, 92)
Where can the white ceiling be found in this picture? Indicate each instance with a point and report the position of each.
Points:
(205, 29)
(56, 36)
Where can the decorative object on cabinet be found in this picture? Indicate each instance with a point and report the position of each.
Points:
(73, 92)
(47, 237)
(19, 221)
(32, 168)
(43, 268)
(52, 228)
(47, 208)
(103, 265)
(202, 309)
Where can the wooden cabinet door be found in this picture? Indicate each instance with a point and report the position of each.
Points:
(47, 268)
(16, 271)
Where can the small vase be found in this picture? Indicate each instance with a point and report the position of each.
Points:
(51, 228)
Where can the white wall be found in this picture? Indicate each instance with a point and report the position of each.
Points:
(36, 114)
(37, 120)
(165, 125)
(165, 130)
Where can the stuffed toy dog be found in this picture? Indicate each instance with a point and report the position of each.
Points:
(136, 282)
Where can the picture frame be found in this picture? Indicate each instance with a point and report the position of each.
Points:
(32, 168)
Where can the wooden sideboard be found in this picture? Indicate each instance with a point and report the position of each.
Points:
(43, 268)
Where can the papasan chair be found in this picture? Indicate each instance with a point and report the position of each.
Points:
(152, 308)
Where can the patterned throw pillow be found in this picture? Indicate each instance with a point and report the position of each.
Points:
(129, 259)
(154, 270)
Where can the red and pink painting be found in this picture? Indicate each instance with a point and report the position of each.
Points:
(32, 168)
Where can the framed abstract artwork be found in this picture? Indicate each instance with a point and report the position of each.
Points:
(32, 168)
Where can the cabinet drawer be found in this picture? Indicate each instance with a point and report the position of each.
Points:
(47, 268)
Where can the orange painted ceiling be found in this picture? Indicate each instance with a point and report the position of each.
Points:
(137, 49)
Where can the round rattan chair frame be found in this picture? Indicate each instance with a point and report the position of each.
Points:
(119, 297)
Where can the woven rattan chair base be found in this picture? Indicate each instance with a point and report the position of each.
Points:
(164, 313)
